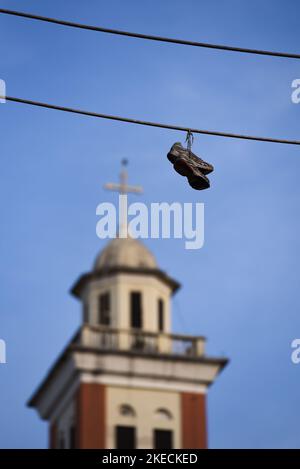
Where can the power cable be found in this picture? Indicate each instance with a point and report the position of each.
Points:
(148, 36)
(149, 123)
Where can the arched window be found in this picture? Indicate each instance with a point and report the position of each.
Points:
(127, 410)
(163, 414)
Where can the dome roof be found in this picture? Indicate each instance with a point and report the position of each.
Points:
(125, 252)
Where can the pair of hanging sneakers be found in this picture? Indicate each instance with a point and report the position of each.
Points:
(186, 163)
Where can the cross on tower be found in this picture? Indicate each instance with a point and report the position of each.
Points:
(123, 188)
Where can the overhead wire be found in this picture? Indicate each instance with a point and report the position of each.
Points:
(149, 37)
(149, 123)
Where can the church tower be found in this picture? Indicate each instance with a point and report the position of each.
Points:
(125, 380)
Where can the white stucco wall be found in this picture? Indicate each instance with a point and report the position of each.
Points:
(120, 286)
(145, 402)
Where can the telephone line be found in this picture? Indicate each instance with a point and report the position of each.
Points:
(148, 123)
(148, 36)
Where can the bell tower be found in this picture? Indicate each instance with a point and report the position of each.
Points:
(125, 380)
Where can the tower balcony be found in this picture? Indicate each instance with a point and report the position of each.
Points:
(140, 342)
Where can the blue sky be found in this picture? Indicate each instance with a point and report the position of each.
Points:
(242, 289)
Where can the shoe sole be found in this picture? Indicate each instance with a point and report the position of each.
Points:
(198, 183)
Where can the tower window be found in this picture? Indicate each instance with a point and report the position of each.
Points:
(104, 309)
(61, 441)
(136, 310)
(85, 312)
(72, 437)
(125, 437)
(163, 439)
(161, 322)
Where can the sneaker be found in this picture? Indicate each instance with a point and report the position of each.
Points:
(199, 181)
(184, 166)
(182, 158)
